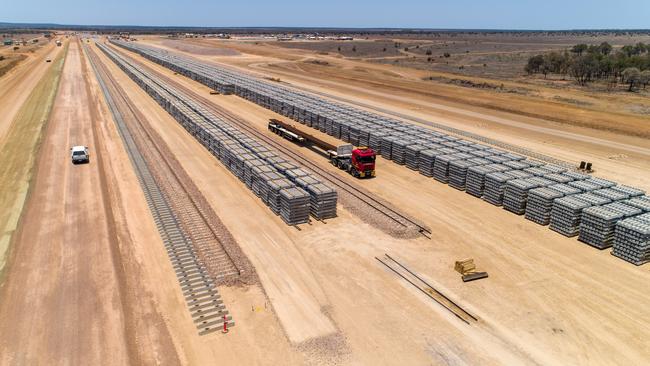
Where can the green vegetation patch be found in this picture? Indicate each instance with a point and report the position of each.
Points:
(629, 65)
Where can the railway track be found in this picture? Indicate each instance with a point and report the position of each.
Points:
(171, 212)
(341, 184)
(352, 189)
(419, 283)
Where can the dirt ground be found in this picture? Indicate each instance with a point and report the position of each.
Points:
(16, 85)
(490, 55)
(608, 140)
(11, 58)
(23, 126)
(62, 298)
(525, 314)
(622, 113)
(89, 279)
(65, 297)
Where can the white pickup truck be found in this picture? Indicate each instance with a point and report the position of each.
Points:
(79, 154)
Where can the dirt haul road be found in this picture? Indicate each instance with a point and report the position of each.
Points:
(16, 85)
(65, 299)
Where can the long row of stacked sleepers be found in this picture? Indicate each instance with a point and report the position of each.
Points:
(546, 194)
(289, 191)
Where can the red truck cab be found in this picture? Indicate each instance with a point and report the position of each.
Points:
(363, 161)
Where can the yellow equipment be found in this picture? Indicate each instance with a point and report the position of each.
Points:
(467, 269)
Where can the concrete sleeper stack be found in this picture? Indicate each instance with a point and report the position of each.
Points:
(540, 204)
(475, 180)
(412, 156)
(567, 212)
(441, 165)
(516, 193)
(599, 222)
(632, 239)
(322, 201)
(294, 206)
(274, 188)
(495, 184)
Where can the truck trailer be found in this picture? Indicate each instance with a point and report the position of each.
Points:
(359, 161)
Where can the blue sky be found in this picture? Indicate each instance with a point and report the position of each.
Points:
(473, 14)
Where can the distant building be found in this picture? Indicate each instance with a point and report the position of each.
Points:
(8, 42)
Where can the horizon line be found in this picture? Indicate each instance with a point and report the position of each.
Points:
(42, 25)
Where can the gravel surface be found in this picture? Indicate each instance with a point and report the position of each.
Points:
(376, 219)
(328, 350)
(332, 349)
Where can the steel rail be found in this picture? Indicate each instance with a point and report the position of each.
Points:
(433, 288)
(200, 292)
(423, 290)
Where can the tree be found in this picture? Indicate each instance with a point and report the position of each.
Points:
(534, 64)
(640, 48)
(579, 49)
(428, 52)
(632, 76)
(605, 48)
(593, 62)
(593, 49)
(605, 67)
(629, 50)
(644, 78)
(555, 62)
(447, 55)
(583, 68)
(354, 48)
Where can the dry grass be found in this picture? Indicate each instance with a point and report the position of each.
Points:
(560, 101)
(19, 151)
(10, 62)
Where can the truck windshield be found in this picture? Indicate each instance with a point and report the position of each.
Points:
(366, 159)
(78, 153)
